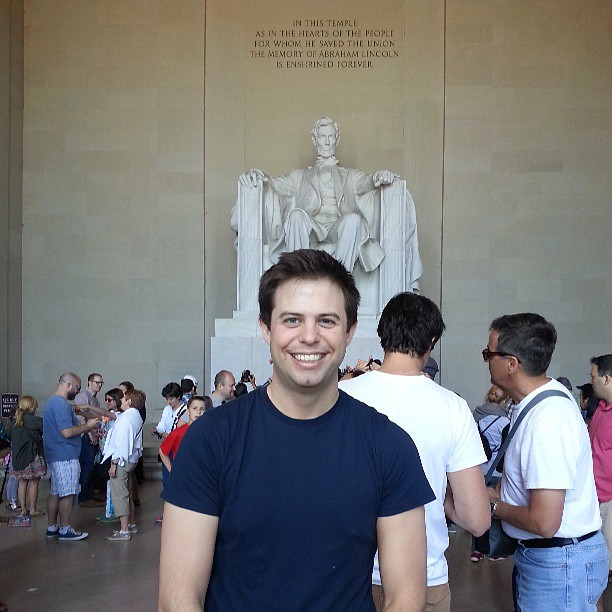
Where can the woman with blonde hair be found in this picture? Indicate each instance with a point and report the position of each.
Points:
(25, 433)
(496, 402)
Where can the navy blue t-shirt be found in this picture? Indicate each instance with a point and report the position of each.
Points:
(297, 500)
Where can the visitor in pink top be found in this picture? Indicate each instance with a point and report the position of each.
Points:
(600, 432)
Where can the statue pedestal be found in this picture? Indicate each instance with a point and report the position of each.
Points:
(238, 345)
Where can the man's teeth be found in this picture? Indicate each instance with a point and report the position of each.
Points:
(300, 357)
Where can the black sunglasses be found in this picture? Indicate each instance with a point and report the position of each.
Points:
(487, 354)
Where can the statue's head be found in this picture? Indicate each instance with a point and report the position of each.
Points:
(325, 136)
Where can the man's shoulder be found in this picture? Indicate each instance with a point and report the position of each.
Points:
(410, 388)
(83, 397)
(215, 400)
(554, 407)
(369, 416)
(356, 405)
(228, 415)
(56, 402)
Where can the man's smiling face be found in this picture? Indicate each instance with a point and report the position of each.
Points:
(307, 335)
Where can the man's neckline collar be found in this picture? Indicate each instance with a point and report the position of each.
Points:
(604, 406)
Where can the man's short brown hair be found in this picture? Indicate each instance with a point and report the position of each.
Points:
(307, 264)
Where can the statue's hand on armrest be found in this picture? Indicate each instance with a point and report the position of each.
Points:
(383, 177)
(253, 178)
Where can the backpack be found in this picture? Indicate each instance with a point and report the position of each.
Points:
(485, 442)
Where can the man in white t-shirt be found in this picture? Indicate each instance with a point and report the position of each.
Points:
(547, 499)
(441, 425)
(175, 412)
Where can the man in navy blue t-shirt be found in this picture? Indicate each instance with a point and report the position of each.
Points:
(278, 500)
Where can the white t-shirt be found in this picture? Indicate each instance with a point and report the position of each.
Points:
(551, 450)
(168, 417)
(124, 441)
(445, 434)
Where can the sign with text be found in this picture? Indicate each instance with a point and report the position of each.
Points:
(324, 43)
(9, 404)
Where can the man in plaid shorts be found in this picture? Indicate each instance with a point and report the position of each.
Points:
(62, 440)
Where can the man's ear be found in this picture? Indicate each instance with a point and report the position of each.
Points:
(351, 333)
(513, 365)
(265, 331)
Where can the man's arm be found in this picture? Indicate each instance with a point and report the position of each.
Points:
(364, 183)
(77, 430)
(82, 409)
(402, 557)
(187, 549)
(467, 502)
(542, 516)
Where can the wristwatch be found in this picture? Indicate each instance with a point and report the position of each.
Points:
(494, 508)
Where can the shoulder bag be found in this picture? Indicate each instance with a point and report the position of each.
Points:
(500, 543)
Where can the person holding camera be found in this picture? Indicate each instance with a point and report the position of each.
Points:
(241, 387)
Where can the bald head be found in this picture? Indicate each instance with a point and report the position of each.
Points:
(225, 383)
(69, 385)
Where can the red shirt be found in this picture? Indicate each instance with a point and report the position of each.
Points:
(600, 432)
(173, 441)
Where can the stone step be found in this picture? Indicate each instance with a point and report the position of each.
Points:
(152, 467)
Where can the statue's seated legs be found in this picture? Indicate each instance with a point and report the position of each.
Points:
(348, 234)
(342, 239)
(297, 230)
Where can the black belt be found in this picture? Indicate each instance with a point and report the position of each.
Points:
(554, 542)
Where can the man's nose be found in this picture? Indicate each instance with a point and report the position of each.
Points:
(309, 333)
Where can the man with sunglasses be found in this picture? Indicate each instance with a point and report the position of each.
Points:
(62, 442)
(547, 498)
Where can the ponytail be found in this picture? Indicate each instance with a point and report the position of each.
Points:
(28, 404)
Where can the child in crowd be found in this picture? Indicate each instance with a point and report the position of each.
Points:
(196, 407)
(124, 448)
(28, 459)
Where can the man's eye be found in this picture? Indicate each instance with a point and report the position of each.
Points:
(291, 320)
(328, 322)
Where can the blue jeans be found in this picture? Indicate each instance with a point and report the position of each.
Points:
(570, 578)
(87, 459)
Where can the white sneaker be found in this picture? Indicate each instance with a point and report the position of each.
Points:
(120, 536)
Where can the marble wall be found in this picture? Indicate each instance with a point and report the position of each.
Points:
(527, 210)
(11, 147)
(495, 112)
(113, 270)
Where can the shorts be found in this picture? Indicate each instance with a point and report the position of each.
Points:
(64, 477)
(438, 598)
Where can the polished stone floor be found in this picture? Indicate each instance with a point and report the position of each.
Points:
(95, 574)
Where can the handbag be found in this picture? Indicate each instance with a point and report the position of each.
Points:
(500, 543)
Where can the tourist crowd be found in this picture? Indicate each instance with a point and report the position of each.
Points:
(289, 489)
